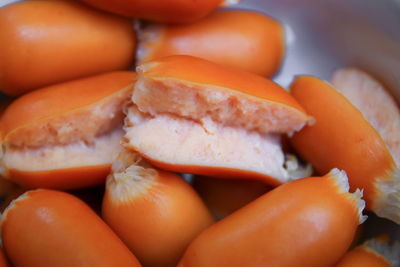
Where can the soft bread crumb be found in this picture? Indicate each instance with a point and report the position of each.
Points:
(364, 92)
(82, 125)
(226, 107)
(171, 139)
(387, 200)
(341, 180)
(130, 177)
(102, 150)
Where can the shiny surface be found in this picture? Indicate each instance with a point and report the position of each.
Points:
(158, 224)
(52, 228)
(67, 178)
(245, 40)
(173, 11)
(340, 138)
(298, 230)
(48, 42)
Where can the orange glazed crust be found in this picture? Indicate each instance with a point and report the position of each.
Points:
(62, 179)
(49, 42)
(288, 226)
(156, 213)
(67, 112)
(199, 71)
(342, 138)
(247, 40)
(171, 11)
(54, 228)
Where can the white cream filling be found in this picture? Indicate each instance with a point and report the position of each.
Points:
(102, 151)
(178, 141)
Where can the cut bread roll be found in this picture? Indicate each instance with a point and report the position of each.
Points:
(356, 129)
(65, 136)
(190, 115)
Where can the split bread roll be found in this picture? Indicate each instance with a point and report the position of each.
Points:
(191, 115)
(357, 125)
(66, 135)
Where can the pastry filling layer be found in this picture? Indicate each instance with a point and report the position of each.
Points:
(178, 141)
(102, 150)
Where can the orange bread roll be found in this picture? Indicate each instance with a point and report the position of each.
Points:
(375, 252)
(52, 228)
(308, 222)
(247, 40)
(360, 138)
(47, 42)
(156, 213)
(214, 120)
(364, 92)
(175, 11)
(66, 135)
